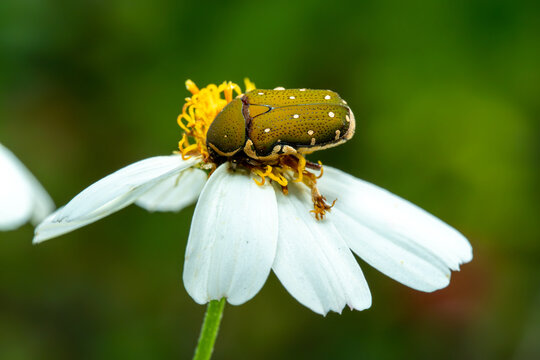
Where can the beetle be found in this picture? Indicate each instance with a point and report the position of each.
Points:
(265, 124)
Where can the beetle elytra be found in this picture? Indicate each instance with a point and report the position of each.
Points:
(265, 124)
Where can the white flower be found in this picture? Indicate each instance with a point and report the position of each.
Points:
(240, 231)
(22, 198)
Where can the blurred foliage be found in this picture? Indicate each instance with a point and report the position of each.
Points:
(446, 98)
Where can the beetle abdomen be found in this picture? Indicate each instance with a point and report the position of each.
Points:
(227, 133)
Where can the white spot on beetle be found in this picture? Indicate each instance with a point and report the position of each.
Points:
(312, 141)
(288, 149)
(302, 89)
(337, 134)
(292, 97)
(348, 118)
(279, 88)
(327, 97)
(343, 101)
(296, 116)
(260, 93)
(331, 114)
(267, 130)
(225, 136)
(278, 140)
(310, 132)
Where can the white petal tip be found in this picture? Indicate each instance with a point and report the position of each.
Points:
(360, 304)
(467, 258)
(353, 307)
(236, 302)
(38, 239)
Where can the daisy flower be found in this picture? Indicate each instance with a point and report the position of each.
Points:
(257, 214)
(22, 198)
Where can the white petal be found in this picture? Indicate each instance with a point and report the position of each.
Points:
(110, 194)
(21, 196)
(313, 262)
(174, 193)
(393, 235)
(15, 192)
(232, 242)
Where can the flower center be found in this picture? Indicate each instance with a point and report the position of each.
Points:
(197, 115)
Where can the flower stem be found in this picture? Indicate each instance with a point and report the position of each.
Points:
(209, 330)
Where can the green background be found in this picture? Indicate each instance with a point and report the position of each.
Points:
(446, 97)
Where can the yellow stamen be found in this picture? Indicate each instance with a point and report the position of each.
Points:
(192, 88)
(261, 175)
(272, 173)
(276, 176)
(249, 85)
(301, 168)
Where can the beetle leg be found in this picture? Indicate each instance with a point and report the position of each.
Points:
(313, 166)
(320, 206)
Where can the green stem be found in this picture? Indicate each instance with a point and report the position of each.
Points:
(209, 329)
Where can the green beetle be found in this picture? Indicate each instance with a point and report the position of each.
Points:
(266, 124)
